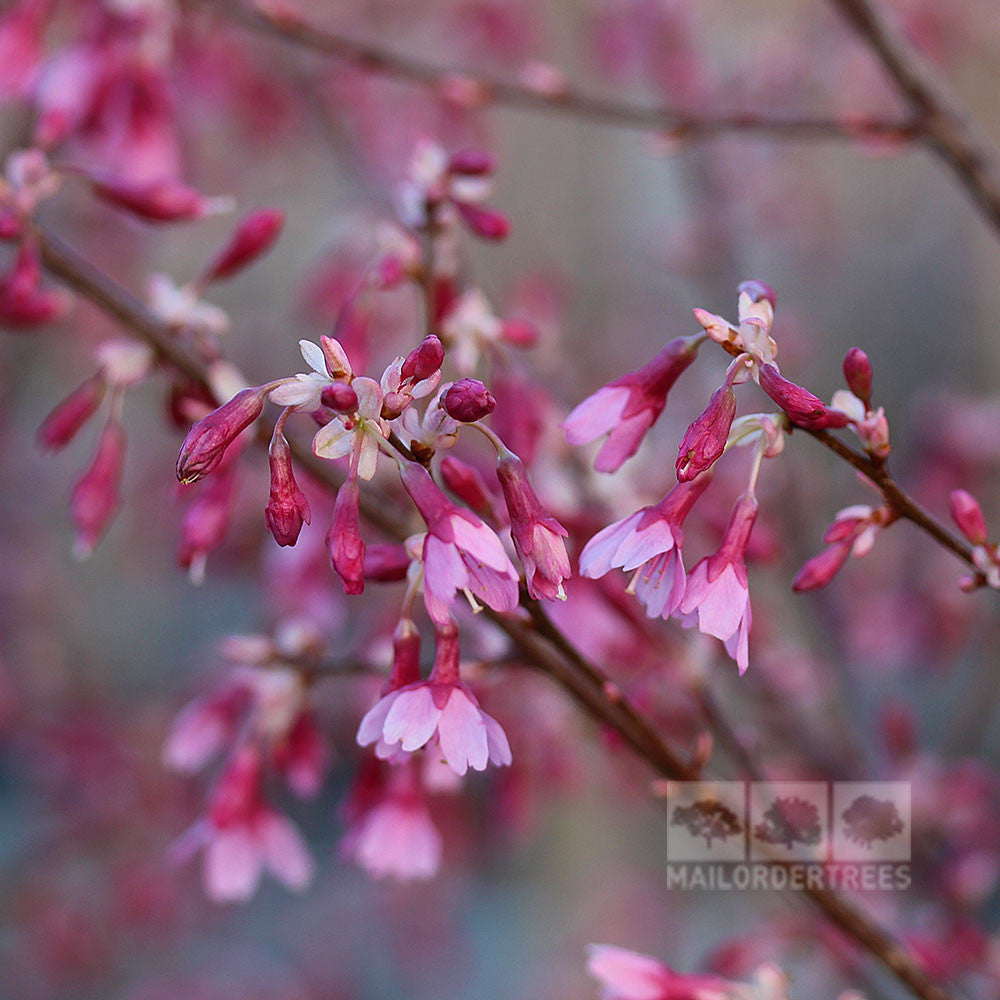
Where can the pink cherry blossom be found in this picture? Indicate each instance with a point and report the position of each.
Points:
(628, 975)
(648, 543)
(459, 552)
(441, 706)
(717, 594)
(626, 408)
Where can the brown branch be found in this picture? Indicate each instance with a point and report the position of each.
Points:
(568, 99)
(543, 646)
(952, 135)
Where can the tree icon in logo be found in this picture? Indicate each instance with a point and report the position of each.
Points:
(789, 821)
(868, 819)
(709, 819)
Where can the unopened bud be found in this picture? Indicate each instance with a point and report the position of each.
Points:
(484, 222)
(968, 515)
(821, 569)
(386, 562)
(424, 360)
(253, 237)
(95, 499)
(800, 404)
(858, 374)
(63, 423)
(468, 485)
(758, 291)
(159, 201)
(471, 163)
(340, 397)
(469, 400)
(287, 508)
(208, 439)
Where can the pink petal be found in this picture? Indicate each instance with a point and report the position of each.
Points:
(623, 442)
(598, 555)
(635, 976)
(285, 852)
(371, 726)
(412, 719)
(232, 865)
(721, 609)
(462, 733)
(596, 415)
(496, 741)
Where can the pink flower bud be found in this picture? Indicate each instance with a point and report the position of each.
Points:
(538, 537)
(705, 439)
(468, 400)
(424, 360)
(758, 291)
(471, 163)
(858, 374)
(968, 515)
(254, 236)
(208, 439)
(63, 423)
(802, 407)
(386, 562)
(206, 521)
(405, 657)
(821, 569)
(468, 485)
(287, 507)
(344, 541)
(519, 332)
(157, 201)
(95, 499)
(340, 397)
(484, 222)
(23, 302)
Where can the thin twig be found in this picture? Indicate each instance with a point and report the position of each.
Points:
(566, 99)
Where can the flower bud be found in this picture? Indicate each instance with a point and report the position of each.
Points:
(95, 499)
(254, 236)
(468, 485)
(519, 332)
(340, 397)
(802, 407)
(206, 521)
(386, 562)
(858, 374)
(484, 222)
(158, 201)
(63, 423)
(821, 569)
(758, 291)
(468, 400)
(968, 515)
(287, 508)
(424, 360)
(705, 439)
(405, 657)
(23, 302)
(208, 439)
(344, 541)
(471, 163)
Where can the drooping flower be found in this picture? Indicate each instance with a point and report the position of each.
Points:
(441, 706)
(459, 552)
(538, 537)
(626, 408)
(717, 594)
(390, 831)
(242, 835)
(649, 544)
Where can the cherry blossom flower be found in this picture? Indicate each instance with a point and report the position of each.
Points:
(459, 552)
(648, 543)
(441, 706)
(538, 537)
(717, 594)
(626, 408)
(242, 835)
(752, 333)
(394, 836)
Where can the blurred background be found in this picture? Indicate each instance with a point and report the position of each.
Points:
(616, 234)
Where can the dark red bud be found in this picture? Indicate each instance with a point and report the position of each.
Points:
(484, 222)
(386, 562)
(157, 201)
(208, 439)
(340, 397)
(471, 163)
(520, 332)
(468, 485)
(858, 374)
(63, 423)
(968, 515)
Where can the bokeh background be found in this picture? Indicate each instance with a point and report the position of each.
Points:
(616, 235)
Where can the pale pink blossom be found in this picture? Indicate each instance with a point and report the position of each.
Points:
(717, 594)
(649, 544)
(626, 408)
(459, 552)
(242, 836)
(442, 707)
